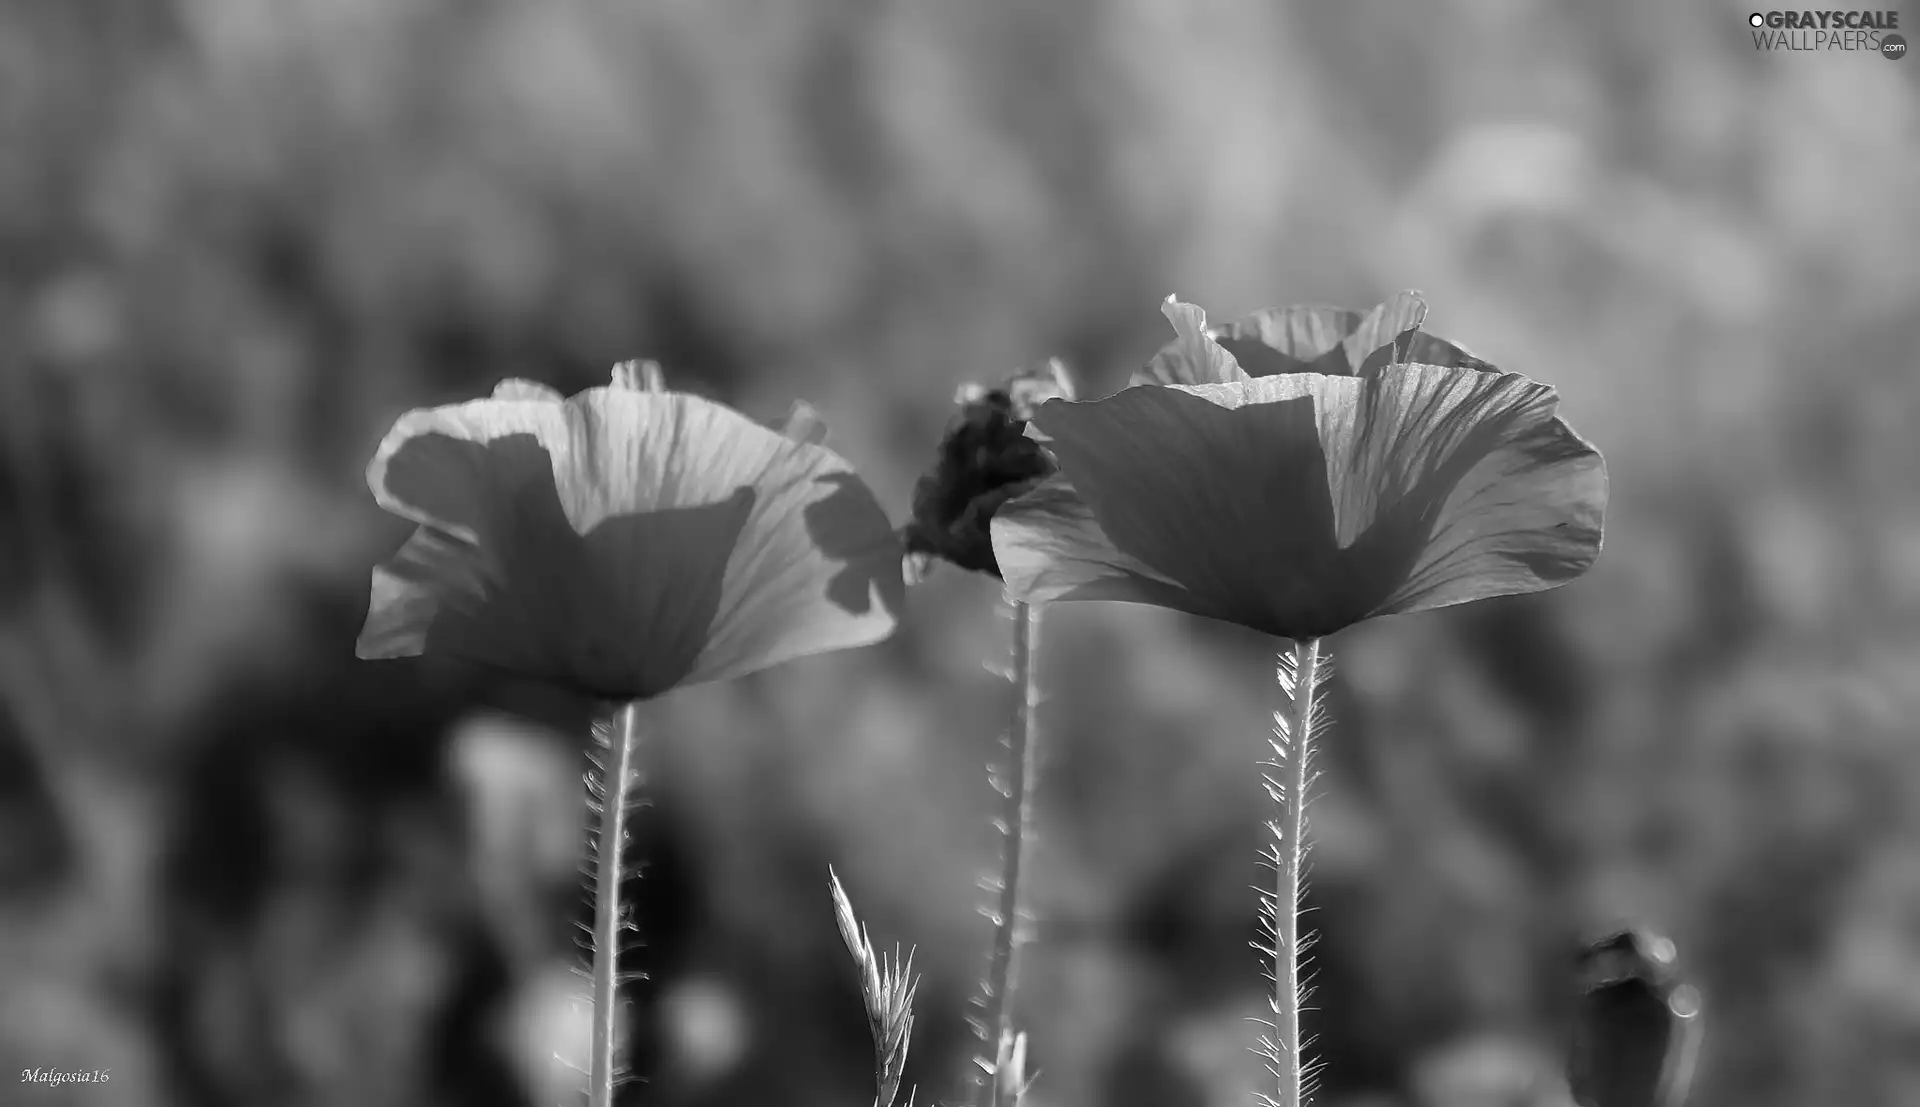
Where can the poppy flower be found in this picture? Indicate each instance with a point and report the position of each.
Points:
(1303, 502)
(624, 541)
(987, 456)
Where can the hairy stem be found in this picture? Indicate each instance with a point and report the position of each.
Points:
(1003, 969)
(1288, 857)
(609, 873)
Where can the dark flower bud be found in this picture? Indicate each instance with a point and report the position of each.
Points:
(1636, 1032)
(985, 460)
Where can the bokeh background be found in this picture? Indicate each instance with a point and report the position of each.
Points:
(238, 867)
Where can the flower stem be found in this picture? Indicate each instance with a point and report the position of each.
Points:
(1003, 969)
(1295, 730)
(620, 772)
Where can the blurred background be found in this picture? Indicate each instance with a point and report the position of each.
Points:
(238, 867)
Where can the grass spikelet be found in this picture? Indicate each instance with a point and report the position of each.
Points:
(888, 986)
(1289, 777)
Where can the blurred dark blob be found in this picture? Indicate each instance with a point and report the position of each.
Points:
(36, 850)
(67, 523)
(1637, 1026)
(1524, 652)
(1142, 1074)
(317, 901)
(1731, 600)
(1192, 926)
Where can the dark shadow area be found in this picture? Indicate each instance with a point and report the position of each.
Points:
(835, 523)
(291, 800)
(36, 848)
(1252, 342)
(1244, 508)
(624, 610)
(1237, 505)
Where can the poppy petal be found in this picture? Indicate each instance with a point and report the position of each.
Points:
(1299, 504)
(1306, 338)
(1193, 357)
(804, 424)
(505, 477)
(1502, 495)
(1319, 339)
(818, 567)
(430, 570)
(634, 540)
(514, 388)
(1391, 335)
(1231, 505)
(1421, 348)
(641, 375)
(1066, 381)
(1050, 547)
(1338, 342)
(1380, 338)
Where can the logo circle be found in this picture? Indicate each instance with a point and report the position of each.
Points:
(1757, 20)
(1893, 47)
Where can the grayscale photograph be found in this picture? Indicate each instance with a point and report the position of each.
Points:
(900, 553)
